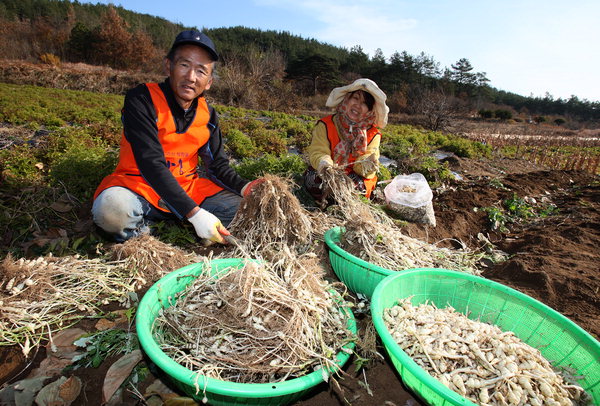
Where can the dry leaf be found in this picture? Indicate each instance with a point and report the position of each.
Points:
(24, 391)
(62, 343)
(61, 392)
(61, 207)
(159, 388)
(52, 236)
(180, 401)
(69, 390)
(104, 324)
(118, 372)
(60, 352)
(51, 366)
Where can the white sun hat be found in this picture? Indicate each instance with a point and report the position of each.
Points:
(381, 109)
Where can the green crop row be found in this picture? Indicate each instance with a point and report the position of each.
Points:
(37, 106)
(61, 143)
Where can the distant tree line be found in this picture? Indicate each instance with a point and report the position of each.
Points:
(259, 64)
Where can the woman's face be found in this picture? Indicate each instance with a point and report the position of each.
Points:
(357, 108)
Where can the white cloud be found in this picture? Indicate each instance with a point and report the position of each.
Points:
(359, 22)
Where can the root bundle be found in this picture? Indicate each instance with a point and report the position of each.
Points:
(372, 236)
(384, 245)
(50, 293)
(151, 257)
(271, 217)
(249, 325)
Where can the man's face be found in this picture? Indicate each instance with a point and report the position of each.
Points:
(190, 73)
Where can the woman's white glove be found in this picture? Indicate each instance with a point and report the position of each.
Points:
(208, 226)
(370, 164)
(324, 163)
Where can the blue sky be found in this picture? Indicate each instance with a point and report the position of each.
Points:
(529, 47)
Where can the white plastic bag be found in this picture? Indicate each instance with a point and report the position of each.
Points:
(411, 197)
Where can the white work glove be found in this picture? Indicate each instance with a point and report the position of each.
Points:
(208, 226)
(370, 163)
(324, 163)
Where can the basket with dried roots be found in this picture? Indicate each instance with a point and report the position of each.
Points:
(249, 325)
(478, 360)
(372, 236)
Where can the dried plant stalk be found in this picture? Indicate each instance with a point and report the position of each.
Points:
(153, 258)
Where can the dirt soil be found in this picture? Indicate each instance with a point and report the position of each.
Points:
(553, 259)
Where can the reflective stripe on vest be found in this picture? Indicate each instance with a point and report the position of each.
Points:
(181, 155)
(334, 139)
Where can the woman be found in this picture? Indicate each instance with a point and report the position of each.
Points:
(349, 138)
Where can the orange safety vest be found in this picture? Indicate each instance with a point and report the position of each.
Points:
(334, 139)
(181, 155)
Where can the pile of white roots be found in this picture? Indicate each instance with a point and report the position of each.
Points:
(478, 360)
(50, 293)
(250, 325)
(386, 246)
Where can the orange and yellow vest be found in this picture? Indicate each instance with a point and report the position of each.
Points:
(334, 139)
(181, 154)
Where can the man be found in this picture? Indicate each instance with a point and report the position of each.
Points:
(167, 129)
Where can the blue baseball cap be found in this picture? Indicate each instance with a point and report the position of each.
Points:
(196, 38)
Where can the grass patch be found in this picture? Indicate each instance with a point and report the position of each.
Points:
(76, 140)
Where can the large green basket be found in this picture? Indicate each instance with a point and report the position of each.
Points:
(162, 294)
(359, 275)
(560, 340)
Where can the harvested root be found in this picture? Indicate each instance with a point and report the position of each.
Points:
(348, 200)
(271, 217)
(372, 236)
(385, 245)
(249, 325)
(47, 294)
(478, 360)
(151, 257)
(338, 186)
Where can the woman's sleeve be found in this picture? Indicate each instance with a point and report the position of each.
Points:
(319, 147)
(371, 154)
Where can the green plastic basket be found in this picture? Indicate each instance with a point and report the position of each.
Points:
(218, 392)
(359, 275)
(560, 340)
